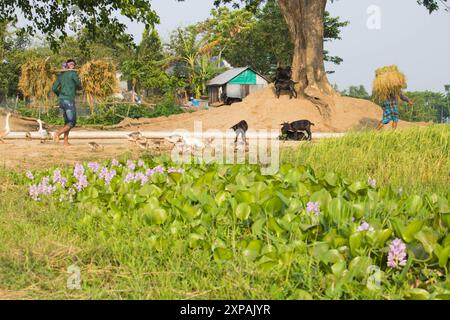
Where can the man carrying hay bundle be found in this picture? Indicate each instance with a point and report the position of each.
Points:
(65, 87)
(387, 90)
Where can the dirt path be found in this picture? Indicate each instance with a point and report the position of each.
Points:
(23, 155)
(20, 155)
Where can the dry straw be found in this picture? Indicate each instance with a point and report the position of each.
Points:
(99, 80)
(36, 79)
(389, 82)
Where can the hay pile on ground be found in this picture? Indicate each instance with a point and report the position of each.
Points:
(36, 79)
(389, 82)
(99, 80)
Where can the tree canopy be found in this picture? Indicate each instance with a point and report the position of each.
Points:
(55, 18)
(264, 45)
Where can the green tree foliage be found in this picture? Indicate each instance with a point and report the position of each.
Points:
(53, 18)
(428, 106)
(12, 55)
(359, 92)
(192, 61)
(431, 5)
(266, 45)
(145, 67)
(224, 26)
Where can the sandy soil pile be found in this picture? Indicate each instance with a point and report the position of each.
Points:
(262, 110)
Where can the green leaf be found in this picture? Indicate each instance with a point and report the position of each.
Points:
(195, 239)
(332, 256)
(355, 242)
(428, 238)
(443, 257)
(359, 209)
(382, 237)
(357, 186)
(152, 203)
(150, 190)
(244, 196)
(253, 249)
(414, 203)
(417, 294)
(359, 265)
(267, 266)
(322, 196)
(223, 254)
(176, 177)
(338, 268)
(331, 179)
(273, 205)
(221, 197)
(157, 216)
(243, 211)
(302, 189)
(411, 230)
(273, 225)
(299, 294)
(443, 206)
(257, 227)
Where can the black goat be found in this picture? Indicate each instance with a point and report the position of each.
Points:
(283, 81)
(283, 74)
(287, 85)
(240, 129)
(297, 127)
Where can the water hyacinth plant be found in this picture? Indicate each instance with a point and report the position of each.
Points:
(286, 224)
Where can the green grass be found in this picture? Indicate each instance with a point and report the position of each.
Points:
(416, 159)
(39, 242)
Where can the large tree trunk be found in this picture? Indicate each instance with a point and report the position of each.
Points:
(305, 19)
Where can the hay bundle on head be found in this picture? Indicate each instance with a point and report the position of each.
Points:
(388, 83)
(99, 80)
(36, 79)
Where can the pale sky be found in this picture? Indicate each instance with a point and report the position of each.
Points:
(408, 36)
(417, 42)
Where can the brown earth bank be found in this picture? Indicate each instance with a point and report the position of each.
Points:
(262, 110)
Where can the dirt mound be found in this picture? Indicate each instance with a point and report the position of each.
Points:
(262, 110)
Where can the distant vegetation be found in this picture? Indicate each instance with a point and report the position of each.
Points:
(428, 105)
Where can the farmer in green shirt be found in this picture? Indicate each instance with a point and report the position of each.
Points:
(65, 87)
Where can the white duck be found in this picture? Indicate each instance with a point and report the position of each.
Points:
(7, 130)
(42, 132)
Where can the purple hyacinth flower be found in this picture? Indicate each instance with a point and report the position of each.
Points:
(131, 165)
(94, 166)
(365, 227)
(313, 207)
(372, 182)
(397, 254)
(29, 175)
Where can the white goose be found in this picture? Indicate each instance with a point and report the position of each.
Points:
(42, 132)
(7, 130)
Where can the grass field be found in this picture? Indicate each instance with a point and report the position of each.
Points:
(122, 256)
(417, 160)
